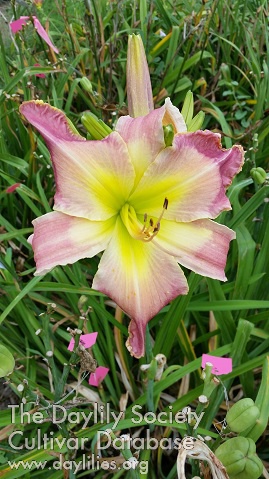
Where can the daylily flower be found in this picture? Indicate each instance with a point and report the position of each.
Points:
(147, 205)
(17, 25)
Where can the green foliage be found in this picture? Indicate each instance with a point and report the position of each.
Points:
(219, 51)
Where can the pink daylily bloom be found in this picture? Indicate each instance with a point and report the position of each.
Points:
(98, 376)
(86, 340)
(147, 206)
(17, 25)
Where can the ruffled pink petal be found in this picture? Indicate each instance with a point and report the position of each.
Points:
(52, 123)
(141, 279)
(17, 25)
(144, 135)
(86, 340)
(98, 376)
(200, 245)
(93, 178)
(43, 34)
(60, 239)
(208, 144)
(192, 175)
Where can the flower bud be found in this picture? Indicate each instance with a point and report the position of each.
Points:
(242, 415)
(139, 92)
(96, 127)
(238, 455)
(86, 84)
(258, 175)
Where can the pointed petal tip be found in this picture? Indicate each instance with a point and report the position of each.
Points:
(136, 340)
(173, 116)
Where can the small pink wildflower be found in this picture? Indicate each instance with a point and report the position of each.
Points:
(12, 188)
(220, 365)
(86, 340)
(17, 25)
(97, 377)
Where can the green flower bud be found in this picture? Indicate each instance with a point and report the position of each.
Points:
(7, 361)
(96, 127)
(242, 415)
(86, 84)
(238, 455)
(258, 175)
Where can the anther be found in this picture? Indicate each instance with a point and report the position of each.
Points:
(157, 228)
(165, 203)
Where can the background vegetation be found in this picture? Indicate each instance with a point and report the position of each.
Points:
(220, 51)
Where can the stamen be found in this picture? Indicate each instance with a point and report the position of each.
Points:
(152, 230)
(138, 231)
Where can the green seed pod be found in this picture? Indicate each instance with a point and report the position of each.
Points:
(6, 361)
(258, 175)
(238, 455)
(242, 415)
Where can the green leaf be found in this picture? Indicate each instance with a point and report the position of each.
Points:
(7, 362)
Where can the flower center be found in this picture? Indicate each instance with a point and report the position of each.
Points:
(143, 232)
